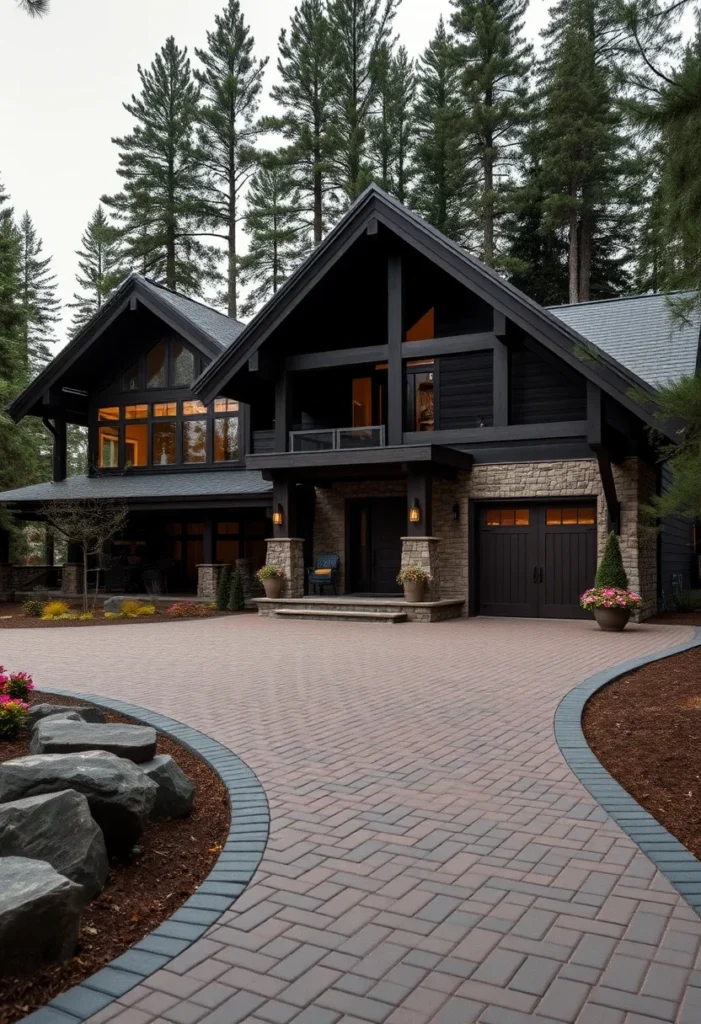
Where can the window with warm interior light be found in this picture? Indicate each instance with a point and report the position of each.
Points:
(108, 447)
(508, 517)
(164, 444)
(581, 516)
(194, 441)
(136, 444)
(226, 438)
(425, 327)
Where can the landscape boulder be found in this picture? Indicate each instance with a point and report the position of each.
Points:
(113, 605)
(65, 716)
(39, 711)
(175, 791)
(54, 735)
(121, 798)
(59, 829)
(39, 915)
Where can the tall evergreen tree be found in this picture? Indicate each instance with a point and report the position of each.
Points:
(496, 63)
(40, 302)
(275, 230)
(585, 162)
(305, 96)
(444, 184)
(34, 8)
(359, 31)
(101, 267)
(391, 129)
(159, 207)
(231, 82)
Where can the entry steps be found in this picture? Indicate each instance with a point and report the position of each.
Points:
(338, 615)
(359, 609)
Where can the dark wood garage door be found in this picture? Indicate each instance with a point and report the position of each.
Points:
(535, 560)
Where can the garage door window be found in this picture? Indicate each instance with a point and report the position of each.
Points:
(570, 517)
(508, 517)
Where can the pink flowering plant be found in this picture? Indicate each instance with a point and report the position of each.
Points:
(270, 572)
(609, 597)
(13, 714)
(15, 684)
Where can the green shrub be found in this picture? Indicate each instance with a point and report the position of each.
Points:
(237, 600)
(13, 714)
(611, 572)
(224, 588)
(686, 601)
(33, 608)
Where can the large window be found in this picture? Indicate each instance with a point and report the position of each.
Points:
(156, 368)
(167, 434)
(420, 399)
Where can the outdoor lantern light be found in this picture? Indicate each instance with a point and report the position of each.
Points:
(415, 512)
(456, 511)
(278, 516)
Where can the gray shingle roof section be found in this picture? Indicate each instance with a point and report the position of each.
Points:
(639, 332)
(205, 484)
(221, 328)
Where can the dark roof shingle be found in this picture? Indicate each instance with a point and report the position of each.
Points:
(234, 483)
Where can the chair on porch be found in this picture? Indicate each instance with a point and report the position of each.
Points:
(324, 573)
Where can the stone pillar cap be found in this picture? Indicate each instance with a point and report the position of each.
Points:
(420, 538)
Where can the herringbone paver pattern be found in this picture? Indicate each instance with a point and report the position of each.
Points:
(432, 858)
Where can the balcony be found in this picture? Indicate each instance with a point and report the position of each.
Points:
(342, 439)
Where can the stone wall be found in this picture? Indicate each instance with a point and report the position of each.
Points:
(288, 553)
(424, 551)
(208, 580)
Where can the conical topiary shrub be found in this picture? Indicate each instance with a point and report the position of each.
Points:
(237, 600)
(224, 589)
(611, 572)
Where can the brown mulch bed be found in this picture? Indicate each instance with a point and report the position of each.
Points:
(17, 619)
(646, 731)
(676, 619)
(172, 859)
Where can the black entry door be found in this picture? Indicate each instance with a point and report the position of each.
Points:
(536, 560)
(376, 526)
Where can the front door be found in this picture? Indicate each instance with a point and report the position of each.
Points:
(536, 560)
(376, 527)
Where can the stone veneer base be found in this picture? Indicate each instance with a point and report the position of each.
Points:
(234, 869)
(676, 863)
(416, 611)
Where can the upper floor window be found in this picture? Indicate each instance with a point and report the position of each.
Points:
(167, 434)
(170, 363)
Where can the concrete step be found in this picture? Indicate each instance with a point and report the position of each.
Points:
(340, 616)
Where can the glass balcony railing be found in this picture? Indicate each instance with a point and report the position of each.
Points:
(336, 439)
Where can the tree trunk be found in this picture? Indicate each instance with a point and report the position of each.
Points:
(488, 208)
(318, 222)
(232, 275)
(585, 257)
(85, 577)
(573, 257)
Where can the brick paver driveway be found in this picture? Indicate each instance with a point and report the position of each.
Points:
(432, 858)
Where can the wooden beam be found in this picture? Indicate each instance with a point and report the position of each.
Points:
(59, 457)
(285, 500)
(446, 346)
(500, 384)
(373, 227)
(395, 370)
(283, 411)
(511, 432)
(595, 440)
(337, 357)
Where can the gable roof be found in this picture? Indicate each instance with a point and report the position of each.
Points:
(641, 333)
(209, 331)
(374, 204)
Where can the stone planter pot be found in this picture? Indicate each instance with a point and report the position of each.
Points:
(414, 592)
(612, 620)
(273, 587)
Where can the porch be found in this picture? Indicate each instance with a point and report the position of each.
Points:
(359, 608)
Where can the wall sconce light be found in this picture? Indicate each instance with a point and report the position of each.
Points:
(278, 516)
(456, 512)
(415, 512)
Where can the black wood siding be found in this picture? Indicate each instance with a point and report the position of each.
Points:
(676, 552)
(465, 390)
(543, 392)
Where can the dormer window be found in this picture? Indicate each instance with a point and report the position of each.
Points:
(183, 365)
(156, 369)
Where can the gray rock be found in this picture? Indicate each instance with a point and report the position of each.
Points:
(175, 791)
(39, 711)
(59, 829)
(57, 736)
(113, 604)
(119, 795)
(64, 716)
(39, 915)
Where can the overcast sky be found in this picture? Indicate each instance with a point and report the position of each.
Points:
(64, 79)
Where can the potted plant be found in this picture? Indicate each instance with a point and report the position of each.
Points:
(609, 598)
(272, 577)
(414, 579)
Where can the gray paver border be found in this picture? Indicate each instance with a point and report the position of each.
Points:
(677, 864)
(234, 869)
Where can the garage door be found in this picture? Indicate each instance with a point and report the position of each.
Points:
(535, 560)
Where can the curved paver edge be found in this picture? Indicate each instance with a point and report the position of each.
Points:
(233, 871)
(677, 864)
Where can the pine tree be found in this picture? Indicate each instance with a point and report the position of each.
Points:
(359, 31)
(276, 233)
(229, 130)
(611, 572)
(237, 599)
(496, 62)
(305, 96)
(38, 298)
(101, 267)
(391, 129)
(224, 588)
(444, 183)
(158, 209)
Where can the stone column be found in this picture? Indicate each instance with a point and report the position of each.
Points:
(288, 553)
(423, 551)
(208, 580)
(72, 578)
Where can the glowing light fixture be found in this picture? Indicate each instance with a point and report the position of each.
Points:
(415, 512)
(278, 516)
